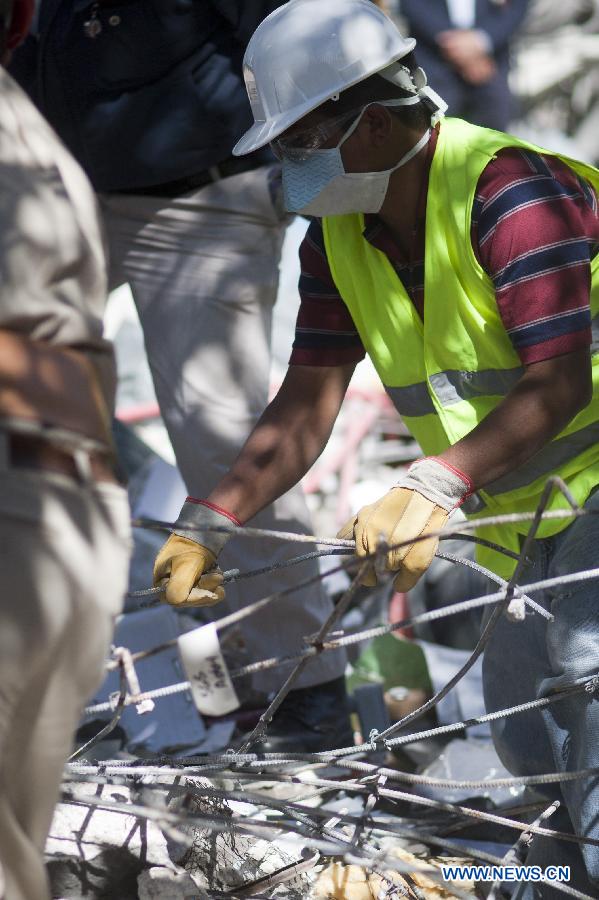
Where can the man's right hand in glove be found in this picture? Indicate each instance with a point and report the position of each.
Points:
(187, 561)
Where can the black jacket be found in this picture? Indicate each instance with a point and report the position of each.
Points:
(156, 96)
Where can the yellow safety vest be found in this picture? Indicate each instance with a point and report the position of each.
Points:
(447, 373)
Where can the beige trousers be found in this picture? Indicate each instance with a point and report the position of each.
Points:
(64, 551)
(203, 269)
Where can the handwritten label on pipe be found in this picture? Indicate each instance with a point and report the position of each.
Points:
(211, 686)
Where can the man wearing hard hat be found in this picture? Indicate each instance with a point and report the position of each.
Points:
(463, 261)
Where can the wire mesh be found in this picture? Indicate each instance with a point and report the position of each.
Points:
(226, 816)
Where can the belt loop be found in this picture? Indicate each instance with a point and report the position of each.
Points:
(4, 450)
(82, 461)
(214, 173)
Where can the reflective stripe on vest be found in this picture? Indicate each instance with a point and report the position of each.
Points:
(454, 386)
(451, 387)
(547, 460)
(413, 400)
(595, 334)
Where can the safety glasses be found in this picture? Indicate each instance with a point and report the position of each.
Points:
(300, 144)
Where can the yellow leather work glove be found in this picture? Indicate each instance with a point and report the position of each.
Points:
(186, 564)
(418, 505)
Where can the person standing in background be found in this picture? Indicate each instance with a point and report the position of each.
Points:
(149, 97)
(464, 47)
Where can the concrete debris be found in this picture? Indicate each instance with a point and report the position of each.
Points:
(429, 889)
(352, 882)
(340, 882)
(97, 852)
(160, 883)
(229, 858)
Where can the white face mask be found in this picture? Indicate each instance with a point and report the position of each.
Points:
(319, 185)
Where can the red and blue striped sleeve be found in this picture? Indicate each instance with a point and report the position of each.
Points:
(535, 230)
(325, 334)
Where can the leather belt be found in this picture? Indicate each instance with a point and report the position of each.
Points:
(31, 452)
(232, 166)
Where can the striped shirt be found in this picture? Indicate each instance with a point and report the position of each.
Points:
(534, 230)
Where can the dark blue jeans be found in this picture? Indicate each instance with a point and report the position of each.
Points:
(535, 658)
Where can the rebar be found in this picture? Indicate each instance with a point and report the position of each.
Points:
(353, 838)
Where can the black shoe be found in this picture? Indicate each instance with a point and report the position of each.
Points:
(310, 720)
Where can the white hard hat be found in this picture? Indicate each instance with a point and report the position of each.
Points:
(305, 53)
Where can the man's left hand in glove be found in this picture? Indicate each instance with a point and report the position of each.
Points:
(418, 505)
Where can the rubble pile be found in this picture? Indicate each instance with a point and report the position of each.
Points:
(169, 837)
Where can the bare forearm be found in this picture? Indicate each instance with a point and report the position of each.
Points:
(546, 398)
(274, 458)
(287, 440)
